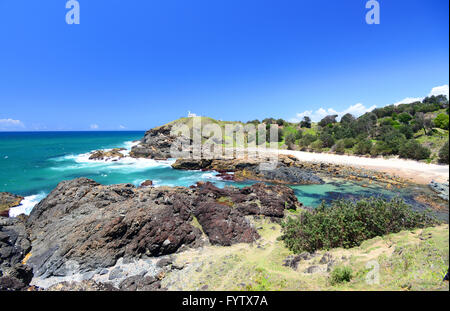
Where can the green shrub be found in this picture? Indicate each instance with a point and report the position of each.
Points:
(443, 154)
(339, 147)
(405, 117)
(349, 142)
(347, 223)
(307, 140)
(341, 275)
(363, 147)
(414, 150)
(290, 139)
(442, 121)
(327, 140)
(317, 145)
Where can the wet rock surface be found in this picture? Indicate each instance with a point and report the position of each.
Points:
(287, 170)
(440, 188)
(83, 228)
(104, 155)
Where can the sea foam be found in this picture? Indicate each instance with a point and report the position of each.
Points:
(27, 205)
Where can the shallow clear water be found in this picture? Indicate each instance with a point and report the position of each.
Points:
(32, 164)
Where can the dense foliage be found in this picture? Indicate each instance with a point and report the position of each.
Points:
(347, 223)
(443, 154)
(414, 131)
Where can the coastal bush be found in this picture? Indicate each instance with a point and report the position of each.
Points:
(317, 145)
(363, 147)
(349, 142)
(404, 117)
(339, 147)
(443, 154)
(347, 223)
(393, 140)
(414, 150)
(442, 121)
(327, 140)
(341, 275)
(331, 119)
(306, 122)
(307, 140)
(290, 139)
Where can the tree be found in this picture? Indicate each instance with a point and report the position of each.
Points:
(339, 148)
(331, 119)
(393, 141)
(363, 147)
(290, 139)
(307, 139)
(366, 123)
(443, 154)
(414, 150)
(347, 118)
(255, 122)
(281, 122)
(404, 117)
(306, 122)
(406, 130)
(421, 121)
(441, 121)
(327, 139)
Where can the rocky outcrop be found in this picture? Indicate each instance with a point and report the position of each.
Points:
(83, 226)
(287, 171)
(8, 200)
(440, 188)
(14, 246)
(104, 155)
(84, 286)
(147, 183)
(156, 144)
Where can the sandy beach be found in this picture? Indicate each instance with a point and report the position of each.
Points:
(414, 171)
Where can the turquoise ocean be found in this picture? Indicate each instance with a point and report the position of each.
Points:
(33, 163)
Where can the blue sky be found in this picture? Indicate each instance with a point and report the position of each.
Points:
(137, 64)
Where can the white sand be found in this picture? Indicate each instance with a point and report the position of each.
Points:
(415, 171)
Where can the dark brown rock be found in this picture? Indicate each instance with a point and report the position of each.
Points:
(83, 226)
(147, 183)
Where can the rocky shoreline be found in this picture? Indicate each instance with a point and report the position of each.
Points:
(83, 231)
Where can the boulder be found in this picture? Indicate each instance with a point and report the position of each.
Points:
(8, 200)
(147, 183)
(104, 155)
(14, 246)
(83, 226)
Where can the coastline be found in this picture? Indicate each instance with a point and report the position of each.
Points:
(414, 171)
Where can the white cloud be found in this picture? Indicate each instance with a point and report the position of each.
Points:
(438, 90)
(409, 100)
(122, 127)
(94, 126)
(9, 124)
(356, 110)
